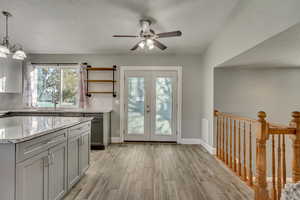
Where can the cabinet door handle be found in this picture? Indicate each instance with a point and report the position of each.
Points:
(47, 161)
(81, 140)
(52, 158)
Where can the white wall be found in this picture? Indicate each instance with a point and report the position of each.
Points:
(192, 81)
(245, 91)
(251, 23)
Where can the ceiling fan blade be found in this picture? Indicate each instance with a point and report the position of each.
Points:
(169, 34)
(152, 31)
(135, 46)
(159, 45)
(128, 36)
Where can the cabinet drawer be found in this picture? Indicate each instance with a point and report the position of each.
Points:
(35, 146)
(79, 129)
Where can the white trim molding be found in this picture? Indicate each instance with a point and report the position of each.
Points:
(190, 141)
(208, 147)
(116, 140)
(178, 69)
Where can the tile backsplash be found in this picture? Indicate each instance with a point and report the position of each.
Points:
(10, 101)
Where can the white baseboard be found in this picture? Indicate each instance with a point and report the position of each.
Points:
(190, 141)
(115, 140)
(208, 147)
(182, 141)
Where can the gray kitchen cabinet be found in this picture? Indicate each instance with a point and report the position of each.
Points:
(73, 160)
(58, 171)
(84, 152)
(32, 178)
(79, 152)
(43, 177)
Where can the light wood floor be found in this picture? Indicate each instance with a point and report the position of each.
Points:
(157, 171)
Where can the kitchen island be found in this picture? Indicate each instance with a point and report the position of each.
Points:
(100, 125)
(41, 158)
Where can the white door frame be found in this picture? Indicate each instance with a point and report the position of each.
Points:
(123, 69)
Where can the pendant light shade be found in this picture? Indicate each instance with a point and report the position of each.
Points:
(6, 48)
(19, 55)
(3, 55)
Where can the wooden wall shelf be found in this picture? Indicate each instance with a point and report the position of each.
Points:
(101, 81)
(90, 68)
(100, 69)
(100, 92)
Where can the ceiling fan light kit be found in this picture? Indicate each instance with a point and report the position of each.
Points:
(6, 48)
(149, 37)
(146, 43)
(142, 44)
(151, 47)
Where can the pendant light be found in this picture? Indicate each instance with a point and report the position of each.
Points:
(6, 47)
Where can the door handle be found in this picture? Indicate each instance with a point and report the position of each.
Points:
(82, 140)
(148, 109)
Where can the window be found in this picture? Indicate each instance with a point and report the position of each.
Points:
(56, 83)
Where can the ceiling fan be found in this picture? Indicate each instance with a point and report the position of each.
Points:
(148, 38)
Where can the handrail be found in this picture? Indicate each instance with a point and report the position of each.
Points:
(234, 117)
(237, 117)
(285, 131)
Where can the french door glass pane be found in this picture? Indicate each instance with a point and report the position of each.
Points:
(136, 105)
(164, 101)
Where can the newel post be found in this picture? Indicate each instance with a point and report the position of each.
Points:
(217, 128)
(296, 147)
(215, 112)
(261, 191)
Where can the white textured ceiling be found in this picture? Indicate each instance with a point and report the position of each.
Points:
(87, 26)
(282, 50)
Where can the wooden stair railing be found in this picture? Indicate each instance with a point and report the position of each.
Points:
(234, 144)
(234, 148)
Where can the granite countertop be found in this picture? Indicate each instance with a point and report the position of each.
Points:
(62, 110)
(31, 110)
(19, 129)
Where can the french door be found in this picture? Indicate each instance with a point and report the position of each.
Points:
(150, 105)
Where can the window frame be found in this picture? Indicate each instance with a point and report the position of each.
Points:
(60, 102)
